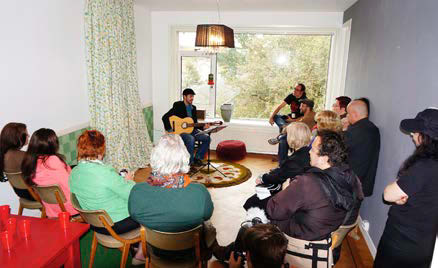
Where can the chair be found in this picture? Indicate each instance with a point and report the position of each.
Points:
(172, 242)
(53, 194)
(339, 235)
(16, 180)
(100, 218)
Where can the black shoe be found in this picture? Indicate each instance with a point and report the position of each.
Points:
(273, 141)
(222, 253)
(197, 162)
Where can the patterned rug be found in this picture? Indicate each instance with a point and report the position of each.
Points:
(233, 174)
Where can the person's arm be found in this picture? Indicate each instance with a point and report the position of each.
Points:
(393, 193)
(284, 204)
(119, 185)
(165, 119)
(279, 107)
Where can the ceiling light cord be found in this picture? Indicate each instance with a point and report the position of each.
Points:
(218, 13)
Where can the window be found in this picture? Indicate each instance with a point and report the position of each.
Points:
(258, 74)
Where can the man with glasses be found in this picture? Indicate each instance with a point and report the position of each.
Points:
(298, 94)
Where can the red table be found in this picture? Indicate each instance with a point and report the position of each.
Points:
(49, 245)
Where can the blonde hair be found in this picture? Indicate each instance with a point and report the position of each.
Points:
(328, 120)
(170, 156)
(298, 135)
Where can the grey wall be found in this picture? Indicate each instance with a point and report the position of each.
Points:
(393, 61)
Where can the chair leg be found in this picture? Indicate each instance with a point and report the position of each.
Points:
(125, 253)
(20, 210)
(93, 250)
(43, 213)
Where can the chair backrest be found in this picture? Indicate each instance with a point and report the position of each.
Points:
(51, 194)
(173, 241)
(91, 216)
(16, 180)
(339, 235)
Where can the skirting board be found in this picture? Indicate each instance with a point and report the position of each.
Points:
(368, 240)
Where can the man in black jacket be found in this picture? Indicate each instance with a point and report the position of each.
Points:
(363, 140)
(182, 109)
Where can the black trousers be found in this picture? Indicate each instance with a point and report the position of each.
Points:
(397, 250)
(120, 227)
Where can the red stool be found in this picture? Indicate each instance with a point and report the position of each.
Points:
(231, 150)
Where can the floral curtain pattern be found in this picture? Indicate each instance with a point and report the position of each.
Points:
(114, 99)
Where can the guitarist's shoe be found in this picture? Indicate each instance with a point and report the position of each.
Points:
(197, 162)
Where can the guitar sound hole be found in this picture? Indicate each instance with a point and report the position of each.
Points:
(184, 125)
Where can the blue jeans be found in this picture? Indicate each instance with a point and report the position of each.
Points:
(280, 121)
(189, 141)
(283, 148)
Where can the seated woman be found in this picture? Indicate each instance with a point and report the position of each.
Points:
(12, 138)
(298, 138)
(319, 201)
(99, 186)
(43, 165)
(168, 202)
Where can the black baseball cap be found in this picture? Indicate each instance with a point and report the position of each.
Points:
(308, 102)
(188, 91)
(425, 122)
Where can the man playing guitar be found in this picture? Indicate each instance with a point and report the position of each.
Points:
(183, 109)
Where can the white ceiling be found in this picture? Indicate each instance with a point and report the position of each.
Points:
(249, 5)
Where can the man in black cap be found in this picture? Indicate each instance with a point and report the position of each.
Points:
(308, 118)
(182, 109)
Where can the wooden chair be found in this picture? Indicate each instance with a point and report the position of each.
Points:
(100, 218)
(339, 235)
(172, 242)
(16, 180)
(53, 194)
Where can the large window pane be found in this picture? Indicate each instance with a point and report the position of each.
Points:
(194, 74)
(258, 74)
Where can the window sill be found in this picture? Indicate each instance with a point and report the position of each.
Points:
(243, 122)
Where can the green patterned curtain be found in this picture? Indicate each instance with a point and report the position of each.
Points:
(114, 99)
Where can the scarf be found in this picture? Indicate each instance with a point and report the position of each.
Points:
(178, 180)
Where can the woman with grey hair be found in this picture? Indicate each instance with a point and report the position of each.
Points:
(170, 163)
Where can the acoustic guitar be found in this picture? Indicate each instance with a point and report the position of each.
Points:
(186, 125)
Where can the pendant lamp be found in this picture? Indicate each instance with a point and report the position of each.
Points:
(214, 35)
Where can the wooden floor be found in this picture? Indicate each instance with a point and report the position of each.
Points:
(229, 213)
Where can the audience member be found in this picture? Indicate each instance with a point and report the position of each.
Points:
(168, 202)
(182, 109)
(363, 140)
(265, 247)
(328, 120)
(317, 202)
(340, 106)
(410, 232)
(298, 94)
(298, 138)
(99, 186)
(43, 165)
(308, 118)
(12, 138)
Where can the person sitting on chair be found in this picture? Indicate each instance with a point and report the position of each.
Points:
(182, 109)
(168, 202)
(43, 165)
(12, 138)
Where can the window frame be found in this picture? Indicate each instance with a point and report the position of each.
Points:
(337, 63)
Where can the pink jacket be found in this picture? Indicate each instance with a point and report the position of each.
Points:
(54, 171)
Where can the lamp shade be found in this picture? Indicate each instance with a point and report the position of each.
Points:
(214, 35)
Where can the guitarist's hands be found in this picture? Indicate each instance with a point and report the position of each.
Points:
(206, 126)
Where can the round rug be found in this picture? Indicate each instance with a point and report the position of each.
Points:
(234, 174)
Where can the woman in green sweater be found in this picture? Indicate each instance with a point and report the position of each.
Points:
(99, 186)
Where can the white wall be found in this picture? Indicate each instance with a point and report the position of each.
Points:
(161, 50)
(144, 57)
(42, 70)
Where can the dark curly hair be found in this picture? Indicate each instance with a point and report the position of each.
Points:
(333, 146)
(428, 149)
